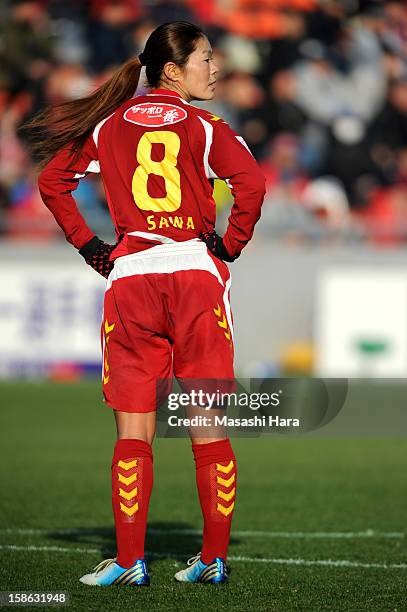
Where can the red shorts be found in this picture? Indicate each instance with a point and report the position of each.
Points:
(166, 313)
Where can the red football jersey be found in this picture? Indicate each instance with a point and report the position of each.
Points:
(158, 156)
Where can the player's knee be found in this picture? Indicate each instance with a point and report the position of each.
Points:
(145, 436)
(135, 426)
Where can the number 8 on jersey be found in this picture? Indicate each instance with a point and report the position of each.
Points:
(167, 168)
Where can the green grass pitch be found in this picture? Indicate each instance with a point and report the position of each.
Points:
(319, 523)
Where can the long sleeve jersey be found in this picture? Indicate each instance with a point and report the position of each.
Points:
(157, 156)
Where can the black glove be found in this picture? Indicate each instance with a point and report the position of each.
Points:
(97, 255)
(215, 245)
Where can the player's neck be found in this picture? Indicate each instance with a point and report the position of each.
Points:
(177, 89)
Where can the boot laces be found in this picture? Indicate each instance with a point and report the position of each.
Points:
(103, 565)
(193, 560)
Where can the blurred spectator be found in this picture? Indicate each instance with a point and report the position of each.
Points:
(264, 18)
(67, 82)
(385, 217)
(395, 31)
(389, 129)
(326, 199)
(27, 218)
(282, 113)
(326, 93)
(109, 30)
(69, 28)
(26, 45)
(285, 178)
(285, 183)
(173, 10)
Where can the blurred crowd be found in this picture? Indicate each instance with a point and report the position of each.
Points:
(318, 89)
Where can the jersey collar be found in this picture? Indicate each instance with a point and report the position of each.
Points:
(166, 92)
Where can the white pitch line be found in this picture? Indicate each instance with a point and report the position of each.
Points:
(325, 562)
(368, 533)
(61, 549)
(276, 561)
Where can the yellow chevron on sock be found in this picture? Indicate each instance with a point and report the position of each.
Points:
(225, 510)
(225, 468)
(129, 480)
(225, 483)
(127, 465)
(129, 495)
(226, 496)
(129, 510)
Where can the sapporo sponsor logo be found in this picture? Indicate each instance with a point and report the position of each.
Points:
(155, 115)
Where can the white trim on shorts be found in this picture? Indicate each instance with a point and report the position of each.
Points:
(226, 303)
(165, 259)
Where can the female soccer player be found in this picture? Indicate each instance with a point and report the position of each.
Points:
(166, 309)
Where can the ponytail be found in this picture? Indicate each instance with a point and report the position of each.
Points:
(72, 122)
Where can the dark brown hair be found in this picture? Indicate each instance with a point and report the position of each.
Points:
(72, 122)
(170, 42)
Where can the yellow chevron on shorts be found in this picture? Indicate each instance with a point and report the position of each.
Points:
(128, 495)
(129, 510)
(225, 468)
(225, 483)
(223, 323)
(225, 511)
(215, 118)
(226, 496)
(105, 365)
(129, 480)
(109, 328)
(217, 311)
(127, 465)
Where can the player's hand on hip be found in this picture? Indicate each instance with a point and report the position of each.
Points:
(97, 255)
(215, 245)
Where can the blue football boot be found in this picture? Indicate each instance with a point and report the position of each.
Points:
(197, 571)
(110, 573)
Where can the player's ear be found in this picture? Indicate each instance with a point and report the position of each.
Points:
(172, 71)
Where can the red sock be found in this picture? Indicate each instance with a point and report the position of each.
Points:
(132, 482)
(216, 475)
